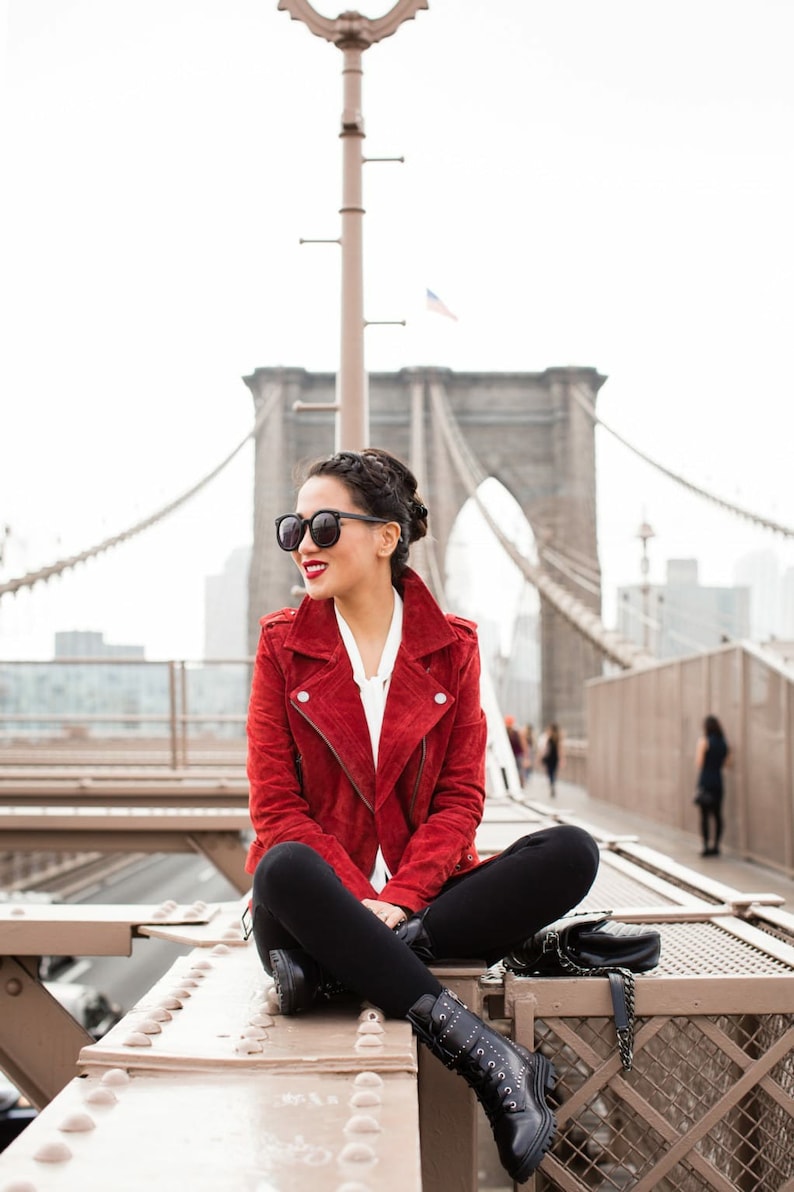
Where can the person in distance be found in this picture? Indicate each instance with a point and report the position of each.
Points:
(366, 763)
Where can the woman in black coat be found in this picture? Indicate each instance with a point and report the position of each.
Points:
(713, 754)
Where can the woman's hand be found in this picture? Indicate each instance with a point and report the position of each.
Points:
(387, 912)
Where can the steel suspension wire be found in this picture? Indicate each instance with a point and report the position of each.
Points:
(585, 403)
(626, 654)
(53, 569)
(563, 564)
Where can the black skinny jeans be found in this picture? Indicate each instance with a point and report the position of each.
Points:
(298, 901)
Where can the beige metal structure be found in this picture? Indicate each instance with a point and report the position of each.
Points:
(219, 833)
(707, 1105)
(649, 763)
(39, 1040)
(222, 1094)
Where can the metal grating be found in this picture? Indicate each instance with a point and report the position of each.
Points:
(615, 889)
(698, 949)
(708, 1105)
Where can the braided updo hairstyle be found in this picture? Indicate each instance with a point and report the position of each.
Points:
(381, 485)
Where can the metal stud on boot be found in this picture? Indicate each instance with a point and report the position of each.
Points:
(509, 1082)
(300, 981)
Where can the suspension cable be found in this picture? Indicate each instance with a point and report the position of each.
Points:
(626, 654)
(562, 564)
(46, 573)
(583, 399)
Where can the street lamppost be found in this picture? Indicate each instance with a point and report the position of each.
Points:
(352, 34)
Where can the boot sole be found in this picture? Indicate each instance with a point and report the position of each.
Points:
(544, 1078)
(286, 991)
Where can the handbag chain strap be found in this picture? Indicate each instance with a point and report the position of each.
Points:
(622, 990)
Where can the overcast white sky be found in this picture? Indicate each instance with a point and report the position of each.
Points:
(608, 184)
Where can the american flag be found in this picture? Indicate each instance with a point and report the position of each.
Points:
(434, 303)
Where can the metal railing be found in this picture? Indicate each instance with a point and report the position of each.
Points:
(123, 711)
(642, 732)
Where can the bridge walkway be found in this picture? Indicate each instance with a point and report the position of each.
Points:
(680, 846)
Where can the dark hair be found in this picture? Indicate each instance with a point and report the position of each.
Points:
(382, 486)
(712, 727)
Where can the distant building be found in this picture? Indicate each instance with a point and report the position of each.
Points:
(682, 616)
(94, 689)
(760, 572)
(226, 608)
(88, 643)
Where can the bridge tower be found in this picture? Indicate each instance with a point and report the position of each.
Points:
(524, 428)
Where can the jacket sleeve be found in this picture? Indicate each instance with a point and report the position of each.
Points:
(277, 808)
(444, 843)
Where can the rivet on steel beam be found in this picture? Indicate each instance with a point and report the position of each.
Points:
(14, 987)
(159, 1014)
(172, 1002)
(369, 1028)
(248, 1046)
(253, 1032)
(115, 1077)
(77, 1123)
(357, 1152)
(137, 1039)
(368, 1080)
(363, 1123)
(101, 1096)
(368, 1041)
(148, 1026)
(52, 1152)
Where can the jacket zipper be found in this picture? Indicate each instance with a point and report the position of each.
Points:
(418, 780)
(342, 765)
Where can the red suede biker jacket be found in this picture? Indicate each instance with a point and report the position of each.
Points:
(310, 767)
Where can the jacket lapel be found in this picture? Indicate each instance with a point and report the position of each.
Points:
(331, 702)
(415, 704)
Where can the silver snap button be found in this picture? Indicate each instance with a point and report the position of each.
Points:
(303, 697)
(440, 698)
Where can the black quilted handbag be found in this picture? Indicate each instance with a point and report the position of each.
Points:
(593, 945)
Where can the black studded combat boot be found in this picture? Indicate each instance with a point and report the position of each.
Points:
(300, 981)
(509, 1082)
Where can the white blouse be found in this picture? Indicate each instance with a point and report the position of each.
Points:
(373, 697)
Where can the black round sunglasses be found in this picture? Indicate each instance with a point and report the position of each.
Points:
(324, 527)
